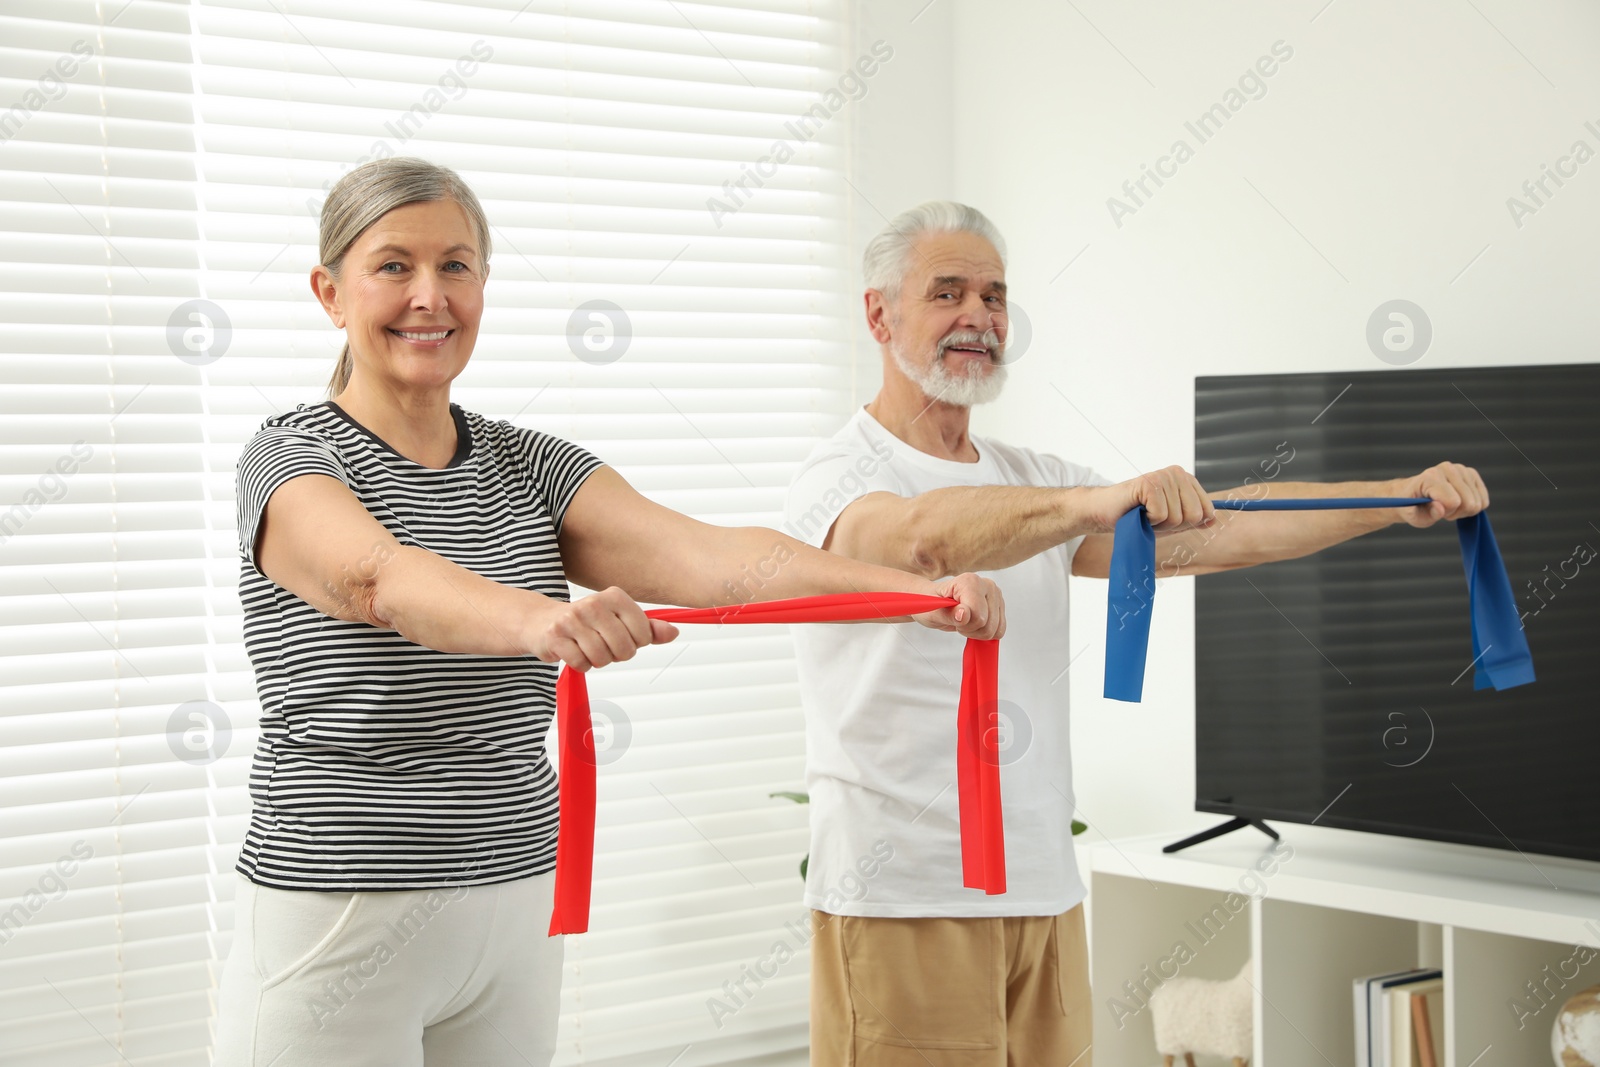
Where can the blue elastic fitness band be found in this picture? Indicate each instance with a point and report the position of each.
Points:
(1500, 653)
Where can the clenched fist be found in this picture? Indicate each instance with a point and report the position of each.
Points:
(1457, 492)
(605, 627)
(1173, 500)
(981, 613)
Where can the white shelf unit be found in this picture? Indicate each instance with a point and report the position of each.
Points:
(1343, 905)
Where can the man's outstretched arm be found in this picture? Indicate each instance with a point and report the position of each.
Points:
(990, 527)
(1245, 539)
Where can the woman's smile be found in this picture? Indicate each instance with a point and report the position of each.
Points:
(423, 338)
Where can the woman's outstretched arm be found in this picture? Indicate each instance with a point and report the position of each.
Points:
(614, 536)
(318, 541)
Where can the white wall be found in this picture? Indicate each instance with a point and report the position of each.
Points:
(900, 153)
(1377, 165)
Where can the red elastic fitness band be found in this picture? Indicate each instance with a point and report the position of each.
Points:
(983, 846)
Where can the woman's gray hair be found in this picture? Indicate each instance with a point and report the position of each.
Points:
(370, 192)
(887, 259)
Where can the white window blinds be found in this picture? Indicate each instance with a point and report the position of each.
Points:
(114, 601)
(159, 220)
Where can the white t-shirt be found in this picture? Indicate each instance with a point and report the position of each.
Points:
(880, 704)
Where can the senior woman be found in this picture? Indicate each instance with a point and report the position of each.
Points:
(404, 569)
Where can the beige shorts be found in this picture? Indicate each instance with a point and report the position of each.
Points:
(983, 992)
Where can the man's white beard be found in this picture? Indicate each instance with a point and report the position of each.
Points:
(938, 383)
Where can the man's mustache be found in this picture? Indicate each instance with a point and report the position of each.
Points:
(970, 338)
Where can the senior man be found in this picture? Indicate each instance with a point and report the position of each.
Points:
(919, 971)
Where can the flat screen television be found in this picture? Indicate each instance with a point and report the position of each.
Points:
(1337, 688)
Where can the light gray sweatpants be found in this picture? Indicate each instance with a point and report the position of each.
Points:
(459, 977)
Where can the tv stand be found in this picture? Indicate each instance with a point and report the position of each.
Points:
(1515, 936)
(1236, 823)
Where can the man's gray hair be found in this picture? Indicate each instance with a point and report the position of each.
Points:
(887, 259)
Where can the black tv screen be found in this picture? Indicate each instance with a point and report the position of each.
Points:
(1337, 688)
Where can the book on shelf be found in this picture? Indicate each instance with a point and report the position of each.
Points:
(1413, 1043)
(1374, 1025)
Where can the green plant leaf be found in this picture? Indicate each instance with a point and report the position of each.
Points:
(1078, 827)
(803, 861)
(798, 798)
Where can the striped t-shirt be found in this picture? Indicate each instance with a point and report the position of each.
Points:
(384, 764)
